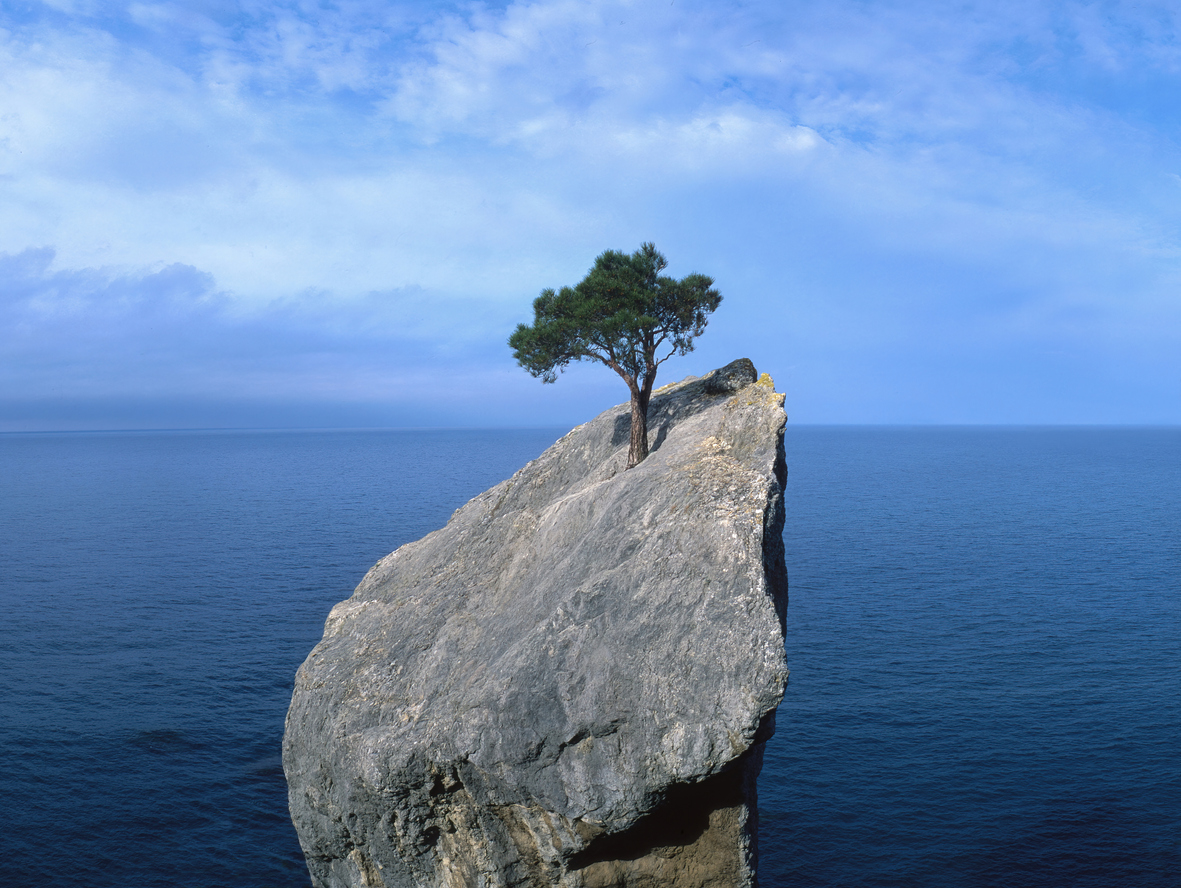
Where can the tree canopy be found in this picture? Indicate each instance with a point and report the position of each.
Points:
(624, 314)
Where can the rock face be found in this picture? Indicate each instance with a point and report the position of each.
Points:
(571, 683)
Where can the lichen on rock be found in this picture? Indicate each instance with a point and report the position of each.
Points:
(571, 683)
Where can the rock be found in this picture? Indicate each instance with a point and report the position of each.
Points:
(571, 683)
(732, 377)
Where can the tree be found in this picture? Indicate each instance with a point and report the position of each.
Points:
(622, 314)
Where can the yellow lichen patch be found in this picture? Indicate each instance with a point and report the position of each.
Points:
(757, 395)
(765, 381)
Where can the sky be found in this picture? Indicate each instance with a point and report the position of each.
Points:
(255, 214)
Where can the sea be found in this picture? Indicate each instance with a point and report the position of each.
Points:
(984, 637)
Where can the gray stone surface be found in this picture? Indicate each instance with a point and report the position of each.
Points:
(570, 684)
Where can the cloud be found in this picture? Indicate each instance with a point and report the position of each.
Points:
(169, 336)
(888, 193)
(606, 83)
(245, 119)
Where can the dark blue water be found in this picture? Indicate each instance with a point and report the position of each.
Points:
(984, 634)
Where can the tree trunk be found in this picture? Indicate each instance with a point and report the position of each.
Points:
(638, 450)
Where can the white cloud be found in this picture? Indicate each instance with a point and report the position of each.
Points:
(640, 83)
(913, 170)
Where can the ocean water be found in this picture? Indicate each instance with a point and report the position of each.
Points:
(984, 634)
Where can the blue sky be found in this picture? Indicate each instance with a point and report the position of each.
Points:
(299, 214)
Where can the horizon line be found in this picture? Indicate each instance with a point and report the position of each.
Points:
(523, 428)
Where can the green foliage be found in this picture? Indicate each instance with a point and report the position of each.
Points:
(623, 313)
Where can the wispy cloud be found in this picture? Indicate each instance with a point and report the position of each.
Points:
(876, 186)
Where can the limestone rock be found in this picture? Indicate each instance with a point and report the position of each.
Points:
(571, 683)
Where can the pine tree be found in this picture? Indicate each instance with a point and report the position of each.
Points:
(624, 314)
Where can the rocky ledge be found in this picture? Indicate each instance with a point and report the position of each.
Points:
(571, 683)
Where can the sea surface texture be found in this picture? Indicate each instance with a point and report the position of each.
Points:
(984, 634)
